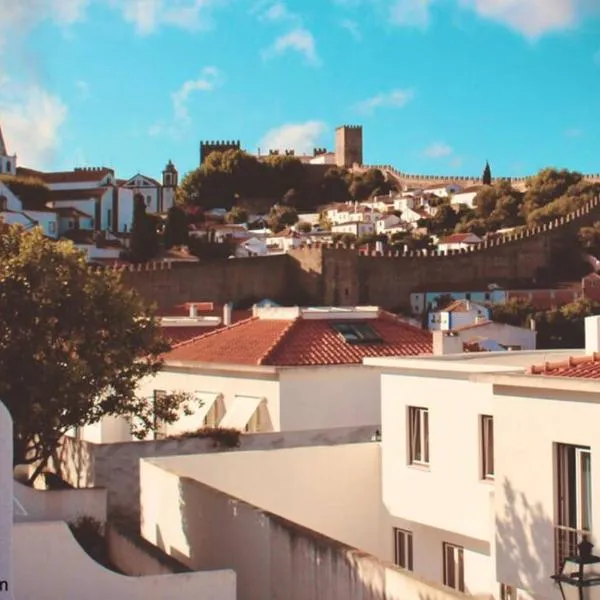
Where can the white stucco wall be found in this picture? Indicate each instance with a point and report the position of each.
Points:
(448, 501)
(12, 202)
(333, 490)
(126, 209)
(6, 504)
(527, 424)
(50, 564)
(60, 505)
(322, 397)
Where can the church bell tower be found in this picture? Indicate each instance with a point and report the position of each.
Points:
(170, 181)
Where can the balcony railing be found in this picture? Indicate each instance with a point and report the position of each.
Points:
(565, 543)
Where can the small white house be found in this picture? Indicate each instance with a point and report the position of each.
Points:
(357, 228)
(285, 240)
(458, 241)
(384, 224)
(443, 190)
(460, 313)
(466, 196)
(285, 369)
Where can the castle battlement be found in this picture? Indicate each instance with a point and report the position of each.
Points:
(416, 177)
(506, 239)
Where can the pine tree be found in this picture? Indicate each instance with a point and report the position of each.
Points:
(487, 174)
(144, 238)
(176, 228)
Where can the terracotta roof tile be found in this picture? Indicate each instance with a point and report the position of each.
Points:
(582, 367)
(459, 238)
(76, 176)
(300, 342)
(177, 335)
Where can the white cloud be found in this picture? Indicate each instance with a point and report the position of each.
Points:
(302, 137)
(208, 80)
(394, 99)
(297, 40)
(438, 150)
(149, 15)
(410, 12)
(277, 12)
(531, 18)
(32, 119)
(352, 27)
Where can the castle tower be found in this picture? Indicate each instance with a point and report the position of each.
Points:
(8, 164)
(207, 147)
(348, 146)
(170, 181)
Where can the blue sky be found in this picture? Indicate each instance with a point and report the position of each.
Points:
(438, 85)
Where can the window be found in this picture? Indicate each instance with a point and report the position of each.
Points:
(403, 548)
(507, 592)
(487, 446)
(148, 200)
(573, 498)
(158, 426)
(418, 435)
(467, 296)
(215, 414)
(357, 333)
(487, 295)
(454, 568)
(3, 203)
(108, 218)
(167, 179)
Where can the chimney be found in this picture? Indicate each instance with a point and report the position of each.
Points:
(446, 342)
(592, 334)
(193, 311)
(227, 314)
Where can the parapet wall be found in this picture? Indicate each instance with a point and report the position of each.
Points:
(416, 179)
(327, 274)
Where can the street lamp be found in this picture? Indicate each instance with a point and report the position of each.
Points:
(579, 572)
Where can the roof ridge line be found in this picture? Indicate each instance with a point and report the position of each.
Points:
(269, 352)
(213, 332)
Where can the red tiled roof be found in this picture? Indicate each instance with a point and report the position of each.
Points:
(177, 335)
(300, 342)
(458, 238)
(84, 194)
(77, 176)
(584, 367)
(460, 306)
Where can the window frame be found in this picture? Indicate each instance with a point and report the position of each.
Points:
(454, 574)
(362, 332)
(403, 549)
(418, 436)
(486, 447)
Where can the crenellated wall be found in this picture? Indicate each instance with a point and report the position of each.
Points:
(335, 275)
(416, 180)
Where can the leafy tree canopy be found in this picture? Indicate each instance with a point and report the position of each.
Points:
(73, 347)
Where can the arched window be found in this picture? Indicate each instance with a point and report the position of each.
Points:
(168, 179)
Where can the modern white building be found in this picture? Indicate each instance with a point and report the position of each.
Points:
(356, 228)
(283, 369)
(458, 241)
(457, 314)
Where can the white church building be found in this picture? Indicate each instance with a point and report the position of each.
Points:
(86, 204)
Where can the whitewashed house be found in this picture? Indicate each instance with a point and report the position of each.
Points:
(285, 240)
(459, 313)
(387, 223)
(356, 228)
(458, 241)
(158, 198)
(443, 190)
(495, 505)
(466, 196)
(284, 369)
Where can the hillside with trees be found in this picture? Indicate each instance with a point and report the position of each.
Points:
(227, 177)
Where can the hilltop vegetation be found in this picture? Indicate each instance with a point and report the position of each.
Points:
(550, 194)
(227, 177)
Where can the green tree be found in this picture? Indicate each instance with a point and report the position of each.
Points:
(444, 220)
(237, 215)
(74, 345)
(144, 237)
(176, 231)
(334, 187)
(281, 217)
(486, 178)
(304, 227)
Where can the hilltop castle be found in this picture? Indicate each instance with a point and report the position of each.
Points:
(348, 154)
